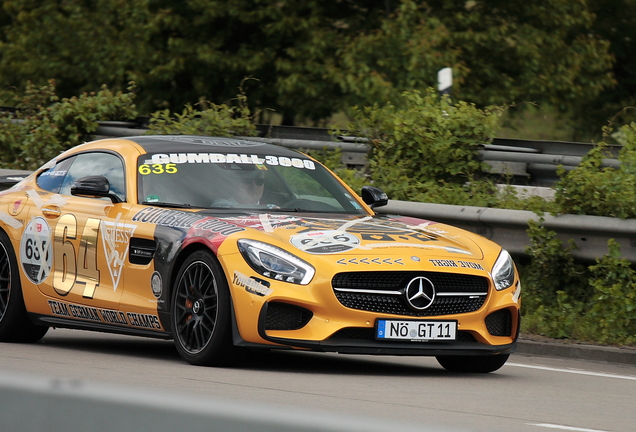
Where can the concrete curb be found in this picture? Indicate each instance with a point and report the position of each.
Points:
(577, 351)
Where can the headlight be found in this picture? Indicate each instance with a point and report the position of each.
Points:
(503, 272)
(273, 262)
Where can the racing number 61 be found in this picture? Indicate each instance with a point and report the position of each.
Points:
(67, 272)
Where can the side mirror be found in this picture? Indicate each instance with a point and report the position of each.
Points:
(374, 197)
(94, 187)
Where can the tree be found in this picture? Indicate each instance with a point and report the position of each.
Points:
(616, 23)
(309, 59)
(185, 51)
(81, 44)
(501, 51)
(285, 45)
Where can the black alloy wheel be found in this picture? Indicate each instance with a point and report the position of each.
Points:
(201, 318)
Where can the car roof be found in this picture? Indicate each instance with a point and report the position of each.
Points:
(193, 143)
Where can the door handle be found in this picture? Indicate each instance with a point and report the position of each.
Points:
(51, 211)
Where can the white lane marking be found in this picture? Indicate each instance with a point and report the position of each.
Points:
(569, 428)
(575, 371)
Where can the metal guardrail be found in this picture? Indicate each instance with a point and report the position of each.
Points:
(508, 228)
(528, 162)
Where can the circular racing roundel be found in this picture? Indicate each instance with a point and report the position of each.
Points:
(36, 251)
(325, 242)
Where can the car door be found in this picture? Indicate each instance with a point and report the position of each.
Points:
(88, 236)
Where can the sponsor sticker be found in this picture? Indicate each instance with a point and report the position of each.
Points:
(36, 251)
(17, 206)
(456, 263)
(227, 158)
(108, 316)
(251, 286)
(325, 242)
(369, 261)
(180, 219)
(115, 239)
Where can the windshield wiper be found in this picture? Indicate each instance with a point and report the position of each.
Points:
(166, 204)
(290, 210)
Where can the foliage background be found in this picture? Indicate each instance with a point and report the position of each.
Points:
(312, 59)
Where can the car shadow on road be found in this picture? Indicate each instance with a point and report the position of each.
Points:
(286, 361)
(342, 364)
(105, 343)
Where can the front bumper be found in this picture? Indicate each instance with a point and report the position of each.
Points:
(312, 318)
(362, 341)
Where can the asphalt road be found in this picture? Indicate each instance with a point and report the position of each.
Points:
(528, 394)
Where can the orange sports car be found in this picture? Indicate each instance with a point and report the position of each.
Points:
(226, 245)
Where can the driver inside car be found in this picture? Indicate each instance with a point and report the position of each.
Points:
(248, 184)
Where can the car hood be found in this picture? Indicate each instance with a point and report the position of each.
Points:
(355, 236)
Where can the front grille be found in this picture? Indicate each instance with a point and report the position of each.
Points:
(285, 316)
(368, 334)
(383, 292)
(499, 323)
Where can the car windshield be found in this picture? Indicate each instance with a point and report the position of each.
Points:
(239, 181)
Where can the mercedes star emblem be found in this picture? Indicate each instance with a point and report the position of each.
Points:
(420, 293)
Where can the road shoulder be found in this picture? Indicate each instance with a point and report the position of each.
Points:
(542, 346)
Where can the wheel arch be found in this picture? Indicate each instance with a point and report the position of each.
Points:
(182, 256)
(15, 252)
(179, 259)
(16, 325)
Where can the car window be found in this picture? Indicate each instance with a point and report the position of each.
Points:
(90, 164)
(51, 180)
(242, 182)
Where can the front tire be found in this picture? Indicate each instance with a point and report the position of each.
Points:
(473, 364)
(15, 325)
(201, 318)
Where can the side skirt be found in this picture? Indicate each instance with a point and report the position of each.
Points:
(95, 326)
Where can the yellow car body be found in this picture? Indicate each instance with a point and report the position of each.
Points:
(325, 274)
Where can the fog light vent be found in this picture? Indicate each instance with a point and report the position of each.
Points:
(284, 316)
(499, 323)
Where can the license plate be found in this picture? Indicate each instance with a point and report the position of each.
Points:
(416, 330)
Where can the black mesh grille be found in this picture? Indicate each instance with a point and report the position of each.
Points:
(141, 250)
(355, 333)
(284, 316)
(366, 333)
(499, 323)
(445, 283)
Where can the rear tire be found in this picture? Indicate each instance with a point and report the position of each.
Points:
(15, 325)
(473, 364)
(201, 317)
